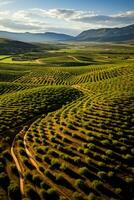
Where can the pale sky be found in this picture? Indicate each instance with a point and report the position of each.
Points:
(70, 17)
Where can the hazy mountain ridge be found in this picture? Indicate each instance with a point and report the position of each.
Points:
(94, 35)
(107, 34)
(35, 37)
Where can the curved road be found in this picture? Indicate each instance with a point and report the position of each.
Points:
(74, 58)
(18, 168)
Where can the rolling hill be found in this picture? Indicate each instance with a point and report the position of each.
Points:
(8, 46)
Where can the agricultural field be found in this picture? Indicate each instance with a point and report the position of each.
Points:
(67, 122)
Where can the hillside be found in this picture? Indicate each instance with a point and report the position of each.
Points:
(107, 34)
(66, 133)
(12, 47)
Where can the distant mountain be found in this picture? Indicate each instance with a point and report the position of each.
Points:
(12, 47)
(36, 37)
(57, 36)
(92, 35)
(107, 34)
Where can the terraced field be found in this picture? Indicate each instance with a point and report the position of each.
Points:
(72, 75)
(67, 132)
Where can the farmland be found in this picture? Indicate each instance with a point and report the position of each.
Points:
(67, 122)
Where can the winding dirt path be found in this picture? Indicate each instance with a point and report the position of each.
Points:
(39, 61)
(74, 58)
(18, 167)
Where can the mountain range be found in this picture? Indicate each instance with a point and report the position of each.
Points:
(92, 35)
(36, 37)
(107, 34)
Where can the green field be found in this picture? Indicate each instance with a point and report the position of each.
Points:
(67, 122)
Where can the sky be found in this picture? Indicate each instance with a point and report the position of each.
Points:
(64, 16)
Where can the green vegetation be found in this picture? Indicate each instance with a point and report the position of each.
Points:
(66, 123)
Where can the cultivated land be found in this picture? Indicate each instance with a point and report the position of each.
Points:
(67, 122)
